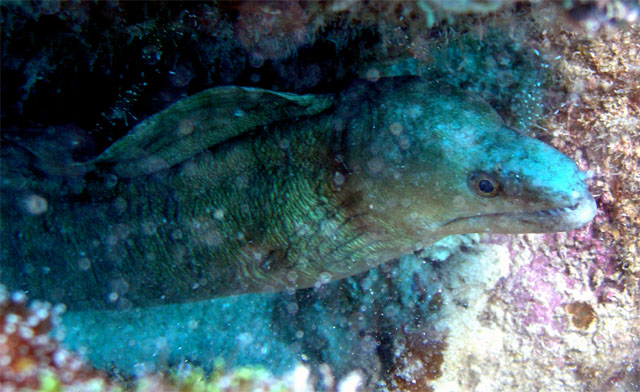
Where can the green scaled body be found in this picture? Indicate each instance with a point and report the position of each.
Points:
(237, 190)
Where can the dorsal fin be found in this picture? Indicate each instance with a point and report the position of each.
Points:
(201, 121)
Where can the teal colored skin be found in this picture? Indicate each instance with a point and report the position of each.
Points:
(332, 190)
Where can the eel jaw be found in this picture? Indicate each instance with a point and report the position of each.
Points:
(563, 218)
(539, 221)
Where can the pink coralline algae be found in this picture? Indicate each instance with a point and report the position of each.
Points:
(537, 296)
(548, 266)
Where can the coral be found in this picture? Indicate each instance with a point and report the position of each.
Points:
(271, 30)
(32, 359)
(417, 361)
(29, 357)
(490, 61)
(416, 15)
(598, 127)
(483, 316)
(552, 317)
(244, 379)
(570, 298)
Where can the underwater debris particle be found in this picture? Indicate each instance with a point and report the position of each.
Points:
(185, 127)
(35, 205)
(375, 165)
(218, 214)
(338, 179)
(373, 75)
(181, 76)
(84, 264)
(582, 314)
(110, 180)
(395, 128)
(151, 54)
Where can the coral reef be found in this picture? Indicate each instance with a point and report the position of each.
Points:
(598, 126)
(272, 30)
(532, 312)
(30, 357)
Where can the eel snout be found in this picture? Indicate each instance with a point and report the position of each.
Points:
(574, 216)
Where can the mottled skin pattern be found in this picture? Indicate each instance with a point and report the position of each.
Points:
(386, 171)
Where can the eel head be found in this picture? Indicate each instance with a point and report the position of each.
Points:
(440, 161)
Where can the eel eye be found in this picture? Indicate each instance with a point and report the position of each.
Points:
(483, 184)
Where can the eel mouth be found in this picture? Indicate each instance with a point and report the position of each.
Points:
(556, 219)
(564, 218)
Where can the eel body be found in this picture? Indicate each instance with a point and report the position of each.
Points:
(237, 190)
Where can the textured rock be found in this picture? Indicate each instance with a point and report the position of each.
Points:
(546, 313)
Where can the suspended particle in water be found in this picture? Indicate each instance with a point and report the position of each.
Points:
(112, 297)
(148, 228)
(325, 277)
(211, 238)
(375, 165)
(119, 286)
(369, 344)
(404, 143)
(181, 76)
(151, 54)
(241, 182)
(185, 127)
(504, 58)
(110, 180)
(284, 144)
(35, 204)
(338, 179)
(244, 339)
(328, 228)
(84, 264)
(256, 60)
(373, 75)
(292, 308)
(218, 214)
(255, 78)
(292, 276)
(395, 128)
(60, 357)
(176, 234)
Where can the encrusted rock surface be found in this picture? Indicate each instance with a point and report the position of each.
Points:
(473, 313)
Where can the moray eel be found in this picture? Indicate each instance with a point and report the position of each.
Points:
(237, 190)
